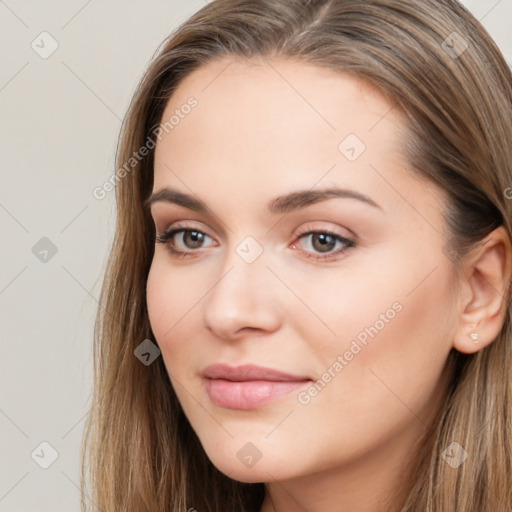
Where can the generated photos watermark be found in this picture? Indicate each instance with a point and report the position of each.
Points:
(356, 346)
(174, 120)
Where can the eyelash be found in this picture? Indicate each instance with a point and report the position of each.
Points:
(166, 237)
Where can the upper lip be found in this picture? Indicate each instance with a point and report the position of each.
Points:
(249, 372)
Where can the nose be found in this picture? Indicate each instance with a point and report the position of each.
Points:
(242, 301)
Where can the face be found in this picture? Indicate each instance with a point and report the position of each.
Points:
(317, 253)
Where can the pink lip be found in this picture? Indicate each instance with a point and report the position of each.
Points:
(248, 386)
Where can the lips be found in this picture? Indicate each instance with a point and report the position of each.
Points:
(249, 386)
(249, 372)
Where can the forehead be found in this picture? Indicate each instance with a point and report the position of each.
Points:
(280, 123)
(281, 93)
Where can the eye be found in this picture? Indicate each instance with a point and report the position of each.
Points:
(179, 239)
(324, 242)
(186, 241)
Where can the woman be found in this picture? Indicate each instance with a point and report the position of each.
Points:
(307, 304)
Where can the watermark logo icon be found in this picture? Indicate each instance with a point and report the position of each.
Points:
(44, 250)
(454, 45)
(454, 455)
(352, 147)
(249, 455)
(44, 455)
(146, 352)
(45, 45)
(249, 249)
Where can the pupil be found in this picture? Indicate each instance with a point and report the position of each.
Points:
(195, 237)
(327, 242)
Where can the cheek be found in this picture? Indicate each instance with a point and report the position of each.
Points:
(174, 300)
(388, 354)
(168, 299)
(160, 300)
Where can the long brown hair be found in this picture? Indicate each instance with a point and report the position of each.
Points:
(443, 70)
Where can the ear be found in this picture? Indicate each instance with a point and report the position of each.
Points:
(487, 278)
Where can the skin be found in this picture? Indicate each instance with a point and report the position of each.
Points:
(260, 130)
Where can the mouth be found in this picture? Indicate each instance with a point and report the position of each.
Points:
(248, 386)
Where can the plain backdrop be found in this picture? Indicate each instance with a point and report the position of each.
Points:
(59, 123)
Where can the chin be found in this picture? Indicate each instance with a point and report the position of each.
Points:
(234, 467)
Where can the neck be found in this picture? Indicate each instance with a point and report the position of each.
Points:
(369, 484)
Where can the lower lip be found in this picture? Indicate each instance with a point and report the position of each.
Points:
(249, 394)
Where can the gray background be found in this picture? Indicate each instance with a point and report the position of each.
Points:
(60, 118)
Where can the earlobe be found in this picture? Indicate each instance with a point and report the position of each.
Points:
(468, 339)
(487, 281)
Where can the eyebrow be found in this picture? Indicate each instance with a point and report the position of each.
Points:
(282, 204)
